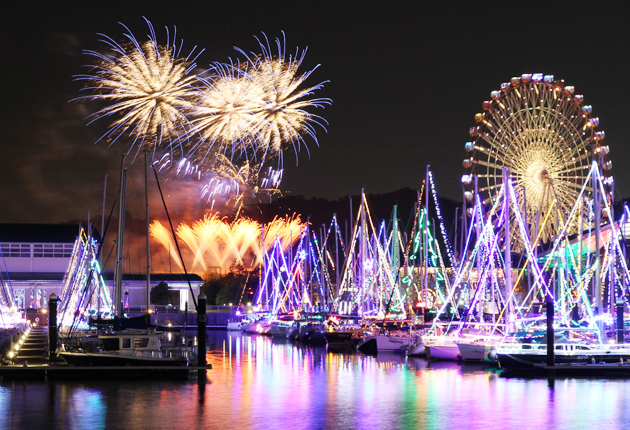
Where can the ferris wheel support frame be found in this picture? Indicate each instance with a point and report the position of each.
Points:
(539, 126)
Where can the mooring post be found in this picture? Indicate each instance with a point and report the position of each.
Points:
(52, 327)
(620, 320)
(551, 359)
(201, 332)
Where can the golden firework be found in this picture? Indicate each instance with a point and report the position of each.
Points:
(214, 242)
(257, 106)
(148, 89)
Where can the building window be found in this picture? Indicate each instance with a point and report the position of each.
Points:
(18, 298)
(51, 250)
(16, 249)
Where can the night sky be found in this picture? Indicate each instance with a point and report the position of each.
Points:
(406, 81)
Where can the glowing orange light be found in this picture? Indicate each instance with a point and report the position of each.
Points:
(215, 242)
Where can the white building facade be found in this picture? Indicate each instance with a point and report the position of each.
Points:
(35, 259)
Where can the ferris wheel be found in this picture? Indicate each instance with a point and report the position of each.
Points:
(544, 134)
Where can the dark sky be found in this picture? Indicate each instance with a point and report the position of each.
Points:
(406, 79)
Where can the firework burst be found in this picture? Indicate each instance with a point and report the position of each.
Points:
(282, 117)
(259, 104)
(224, 113)
(222, 126)
(149, 88)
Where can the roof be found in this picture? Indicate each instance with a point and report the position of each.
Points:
(40, 233)
(155, 277)
(34, 276)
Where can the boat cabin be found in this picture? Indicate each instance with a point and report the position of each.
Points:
(137, 344)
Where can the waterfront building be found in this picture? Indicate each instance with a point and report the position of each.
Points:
(35, 258)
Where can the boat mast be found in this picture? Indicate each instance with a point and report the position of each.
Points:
(612, 292)
(464, 229)
(394, 257)
(455, 236)
(508, 248)
(426, 242)
(336, 232)
(98, 295)
(324, 267)
(598, 267)
(262, 265)
(119, 241)
(146, 195)
(363, 256)
(528, 237)
(103, 216)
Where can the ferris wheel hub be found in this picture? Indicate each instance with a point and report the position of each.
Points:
(542, 176)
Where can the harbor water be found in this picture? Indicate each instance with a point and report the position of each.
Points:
(259, 382)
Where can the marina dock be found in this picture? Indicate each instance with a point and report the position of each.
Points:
(64, 371)
(588, 369)
(31, 363)
(574, 370)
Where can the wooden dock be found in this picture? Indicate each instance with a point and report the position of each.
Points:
(31, 362)
(589, 369)
(579, 370)
(64, 371)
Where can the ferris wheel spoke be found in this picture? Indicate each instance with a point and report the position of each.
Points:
(582, 157)
(573, 172)
(492, 176)
(574, 186)
(487, 201)
(488, 164)
(490, 187)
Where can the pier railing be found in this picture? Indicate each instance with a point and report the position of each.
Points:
(174, 315)
(178, 309)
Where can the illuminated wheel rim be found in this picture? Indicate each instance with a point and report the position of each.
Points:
(544, 134)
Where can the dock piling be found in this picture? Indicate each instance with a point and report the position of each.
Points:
(620, 320)
(551, 359)
(52, 327)
(201, 331)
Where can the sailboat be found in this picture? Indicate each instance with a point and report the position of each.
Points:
(125, 347)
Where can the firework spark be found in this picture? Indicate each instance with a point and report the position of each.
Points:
(216, 243)
(239, 183)
(149, 88)
(259, 104)
(227, 185)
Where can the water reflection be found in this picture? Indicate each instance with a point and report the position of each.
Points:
(262, 383)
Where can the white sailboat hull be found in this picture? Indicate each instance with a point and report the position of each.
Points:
(236, 325)
(443, 352)
(280, 330)
(417, 349)
(392, 343)
(474, 351)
